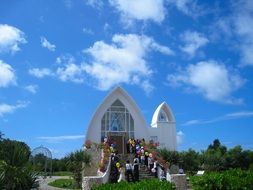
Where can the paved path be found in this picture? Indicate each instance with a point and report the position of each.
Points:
(44, 182)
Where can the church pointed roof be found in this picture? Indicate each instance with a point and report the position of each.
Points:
(163, 108)
(118, 94)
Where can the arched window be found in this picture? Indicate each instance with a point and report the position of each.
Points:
(162, 116)
(117, 119)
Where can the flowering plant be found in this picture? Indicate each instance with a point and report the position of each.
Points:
(88, 144)
(105, 157)
(152, 148)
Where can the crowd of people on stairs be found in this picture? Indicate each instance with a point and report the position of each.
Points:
(142, 159)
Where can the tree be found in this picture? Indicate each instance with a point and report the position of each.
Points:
(76, 163)
(1, 135)
(217, 146)
(15, 171)
(190, 160)
(172, 157)
(248, 160)
(214, 160)
(239, 158)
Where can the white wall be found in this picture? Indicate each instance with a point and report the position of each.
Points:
(166, 133)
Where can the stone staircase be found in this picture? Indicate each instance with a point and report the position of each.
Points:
(124, 157)
(144, 173)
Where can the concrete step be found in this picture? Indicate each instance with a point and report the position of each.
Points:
(146, 177)
(144, 173)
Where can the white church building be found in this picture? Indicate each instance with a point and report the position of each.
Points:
(119, 118)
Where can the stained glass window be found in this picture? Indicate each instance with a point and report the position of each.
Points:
(117, 119)
(162, 116)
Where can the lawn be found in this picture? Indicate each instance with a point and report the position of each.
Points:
(64, 183)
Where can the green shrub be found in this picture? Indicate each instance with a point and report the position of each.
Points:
(15, 169)
(232, 179)
(142, 185)
(63, 173)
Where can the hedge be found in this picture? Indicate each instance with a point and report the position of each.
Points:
(232, 179)
(142, 185)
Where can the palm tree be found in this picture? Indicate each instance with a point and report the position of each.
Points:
(15, 171)
(76, 163)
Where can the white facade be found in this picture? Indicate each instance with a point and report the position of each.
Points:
(119, 117)
(163, 127)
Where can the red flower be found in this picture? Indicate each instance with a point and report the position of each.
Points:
(88, 144)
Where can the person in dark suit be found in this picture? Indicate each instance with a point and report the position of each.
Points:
(129, 171)
(136, 170)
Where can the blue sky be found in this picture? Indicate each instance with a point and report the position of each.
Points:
(59, 59)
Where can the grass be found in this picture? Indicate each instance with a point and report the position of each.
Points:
(64, 183)
(63, 173)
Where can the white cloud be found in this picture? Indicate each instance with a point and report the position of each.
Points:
(238, 26)
(193, 41)
(66, 71)
(229, 116)
(211, 79)
(7, 108)
(40, 72)
(65, 59)
(58, 60)
(147, 87)
(141, 10)
(224, 26)
(88, 31)
(182, 5)
(201, 122)
(59, 139)
(180, 137)
(10, 38)
(192, 122)
(46, 44)
(240, 114)
(188, 7)
(243, 21)
(106, 27)
(7, 75)
(162, 49)
(32, 88)
(123, 61)
(95, 3)
(70, 72)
